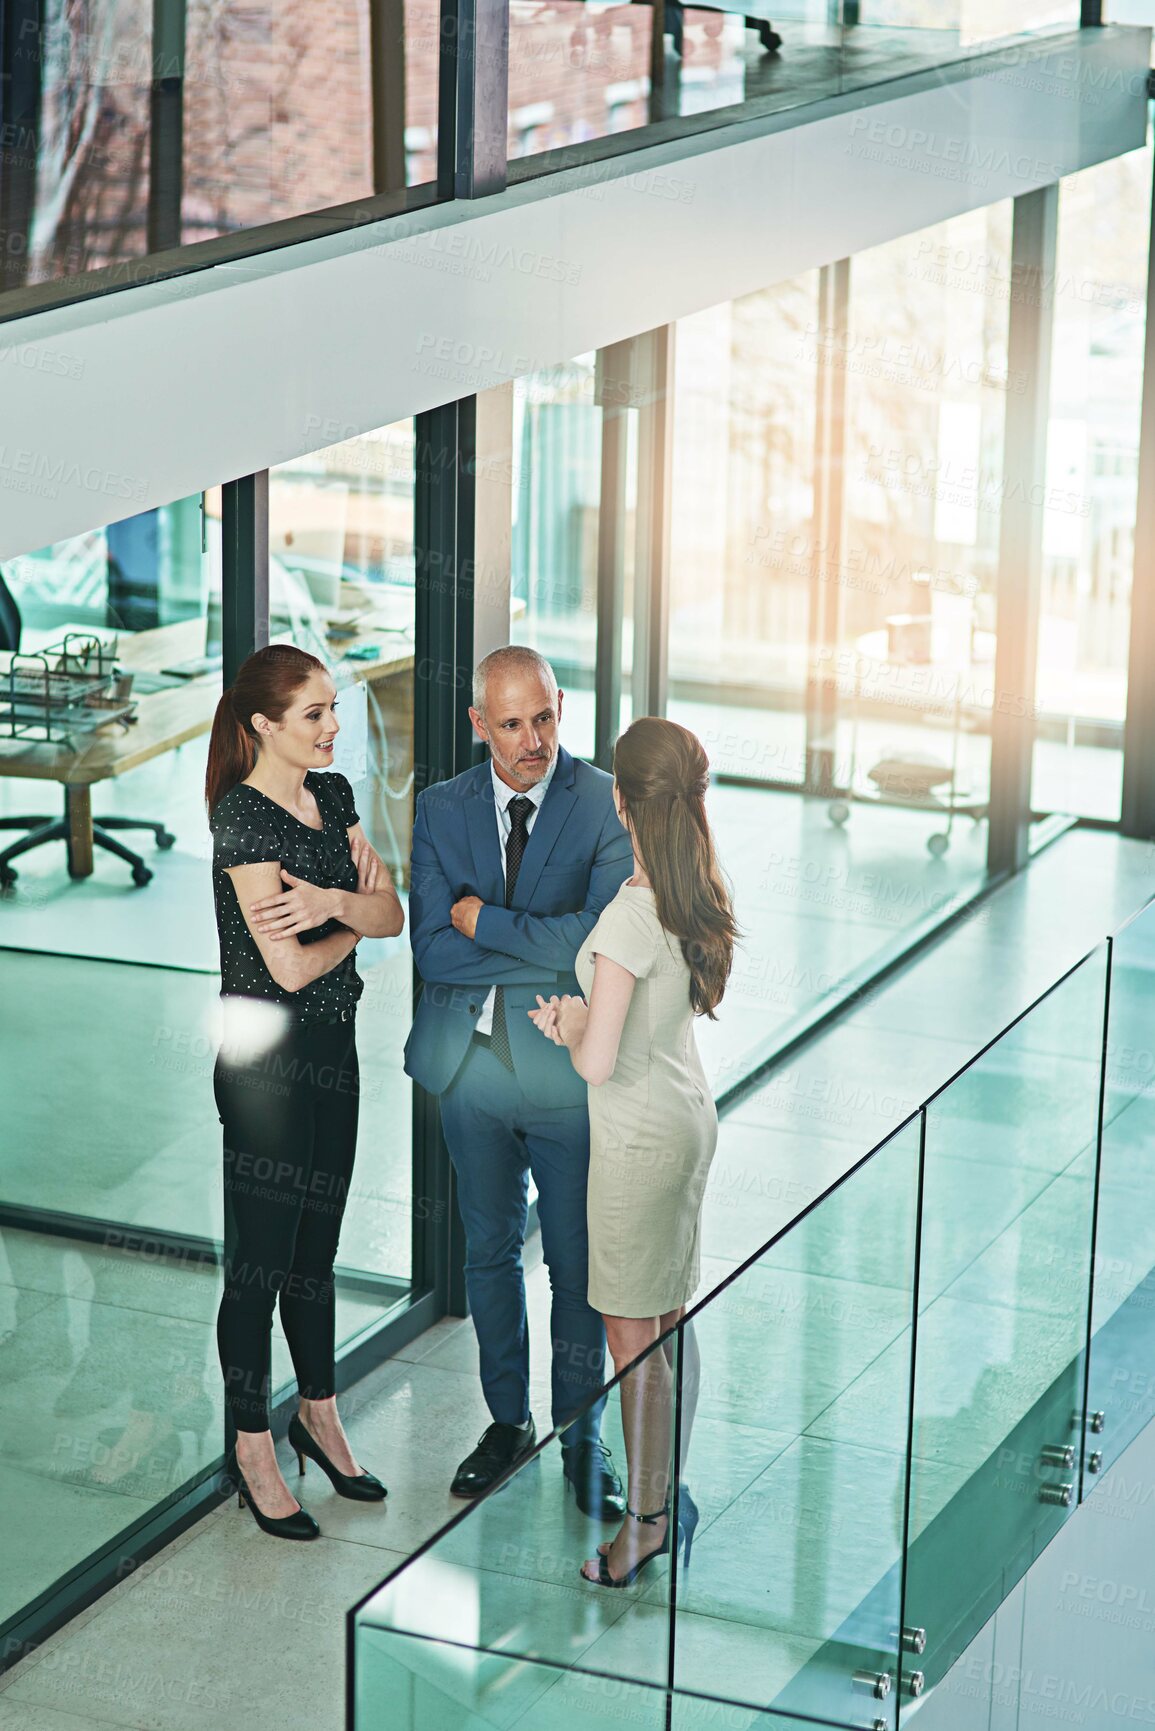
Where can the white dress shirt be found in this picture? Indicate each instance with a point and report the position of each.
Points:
(502, 794)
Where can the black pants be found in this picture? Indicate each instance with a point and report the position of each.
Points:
(290, 1132)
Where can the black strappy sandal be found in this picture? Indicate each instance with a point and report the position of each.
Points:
(605, 1579)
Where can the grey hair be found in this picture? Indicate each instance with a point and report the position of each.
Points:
(510, 658)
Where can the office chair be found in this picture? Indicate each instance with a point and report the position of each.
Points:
(767, 35)
(674, 24)
(42, 828)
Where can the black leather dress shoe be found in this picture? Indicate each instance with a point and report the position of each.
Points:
(498, 1451)
(589, 1468)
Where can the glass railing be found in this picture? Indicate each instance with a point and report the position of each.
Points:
(1072, 1642)
(190, 135)
(1004, 1287)
(869, 1430)
(1121, 1381)
(639, 73)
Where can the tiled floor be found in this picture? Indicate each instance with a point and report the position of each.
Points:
(226, 1609)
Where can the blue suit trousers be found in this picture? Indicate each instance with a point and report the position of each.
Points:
(496, 1137)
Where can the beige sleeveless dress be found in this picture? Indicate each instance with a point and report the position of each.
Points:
(653, 1125)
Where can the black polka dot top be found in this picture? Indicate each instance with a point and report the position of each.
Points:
(248, 828)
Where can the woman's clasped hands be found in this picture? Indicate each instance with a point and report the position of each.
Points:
(561, 1020)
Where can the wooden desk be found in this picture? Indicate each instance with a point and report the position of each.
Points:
(164, 720)
(168, 718)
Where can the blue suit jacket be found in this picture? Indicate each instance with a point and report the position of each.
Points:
(576, 859)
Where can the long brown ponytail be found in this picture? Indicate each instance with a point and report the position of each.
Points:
(662, 773)
(266, 684)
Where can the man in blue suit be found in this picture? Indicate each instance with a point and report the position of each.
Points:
(512, 863)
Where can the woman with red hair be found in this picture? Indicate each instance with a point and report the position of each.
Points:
(296, 886)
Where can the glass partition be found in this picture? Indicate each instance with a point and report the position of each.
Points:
(341, 584)
(1121, 1382)
(746, 393)
(1005, 1244)
(112, 1140)
(111, 1231)
(797, 1402)
(911, 642)
(1092, 472)
(132, 133)
(136, 129)
(880, 1421)
(1072, 1641)
(837, 457)
(494, 1610)
(564, 496)
(581, 73)
(782, 1593)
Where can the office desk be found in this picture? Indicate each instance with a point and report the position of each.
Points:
(164, 720)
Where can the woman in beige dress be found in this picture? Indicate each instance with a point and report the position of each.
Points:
(659, 954)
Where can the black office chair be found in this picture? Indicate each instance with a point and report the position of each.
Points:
(766, 33)
(42, 828)
(675, 26)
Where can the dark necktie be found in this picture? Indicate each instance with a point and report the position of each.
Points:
(519, 810)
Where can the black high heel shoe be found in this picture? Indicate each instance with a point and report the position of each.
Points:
(605, 1579)
(358, 1487)
(688, 1518)
(299, 1525)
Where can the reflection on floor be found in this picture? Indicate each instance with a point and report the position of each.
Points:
(225, 1620)
(111, 1397)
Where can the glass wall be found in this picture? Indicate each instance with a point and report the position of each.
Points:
(743, 528)
(341, 584)
(837, 470)
(130, 128)
(580, 72)
(819, 562)
(110, 1183)
(927, 383)
(112, 1139)
(556, 512)
(1099, 301)
(829, 546)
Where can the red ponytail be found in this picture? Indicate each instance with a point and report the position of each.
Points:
(266, 684)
